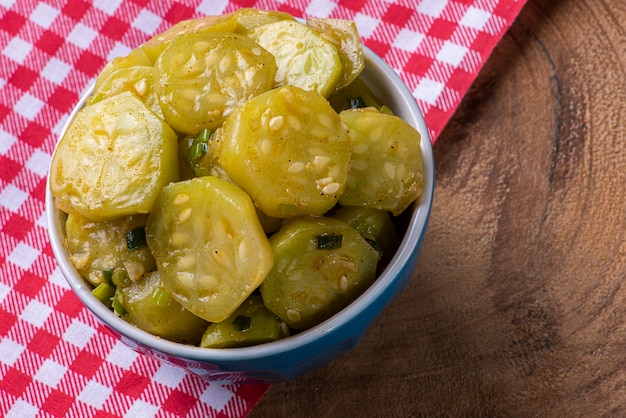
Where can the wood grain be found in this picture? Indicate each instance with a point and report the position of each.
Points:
(517, 307)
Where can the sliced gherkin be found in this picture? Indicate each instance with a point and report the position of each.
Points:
(321, 265)
(209, 246)
(147, 305)
(288, 149)
(251, 324)
(386, 170)
(304, 58)
(113, 160)
(99, 250)
(200, 78)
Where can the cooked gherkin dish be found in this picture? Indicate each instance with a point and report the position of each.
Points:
(233, 181)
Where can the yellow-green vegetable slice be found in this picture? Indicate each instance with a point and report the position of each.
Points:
(200, 78)
(303, 57)
(375, 226)
(251, 324)
(344, 35)
(137, 79)
(321, 265)
(114, 159)
(343, 98)
(386, 172)
(148, 306)
(248, 18)
(209, 247)
(99, 250)
(154, 46)
(288, 149)
(135, 57)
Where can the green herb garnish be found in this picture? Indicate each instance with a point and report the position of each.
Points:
(329, 241)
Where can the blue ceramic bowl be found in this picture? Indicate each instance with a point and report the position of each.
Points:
(291, 357)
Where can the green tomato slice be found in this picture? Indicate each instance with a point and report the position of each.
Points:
(200, 78)
(386, 172)
(209, 246)
(304, 58)
(321, 265)
(114, 159)
(288, 149)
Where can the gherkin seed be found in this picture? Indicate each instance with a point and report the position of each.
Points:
(390, 169)
(294, 123)
(185, 279)
(296, 167)
(360, 148)
(376, 134)
(343, 283)
(331, 188)
(225, 63)
(293, 314)
(215, 100)
(181, 198)
(359, 165)
(325, 181)
(140, 87)
(321, 161)
(177, 239)
(298, 275)
(325, 120)
(211, 59)
(222, 258)
(184, 215)
(243, 250)
(266, 146)
(276, 122)
(200, 47)
(401, 171)
(250, 73)
(186, 262)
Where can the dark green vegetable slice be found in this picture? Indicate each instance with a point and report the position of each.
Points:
(252, 323)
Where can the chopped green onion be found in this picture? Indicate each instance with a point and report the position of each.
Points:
(329, 241)
(136, 238)
(120, 277)
(356, 102)
(196, 148)
(242, 323)
(107, 275)
(159, 297)
(104, 292)
(118, 307)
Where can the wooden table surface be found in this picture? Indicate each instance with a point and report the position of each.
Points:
(518, 304)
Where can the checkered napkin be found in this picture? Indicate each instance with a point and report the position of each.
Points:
(55, 359)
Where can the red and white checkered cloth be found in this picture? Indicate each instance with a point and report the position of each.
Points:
(55, 359)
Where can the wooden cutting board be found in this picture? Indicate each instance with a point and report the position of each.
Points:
(518, 303)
